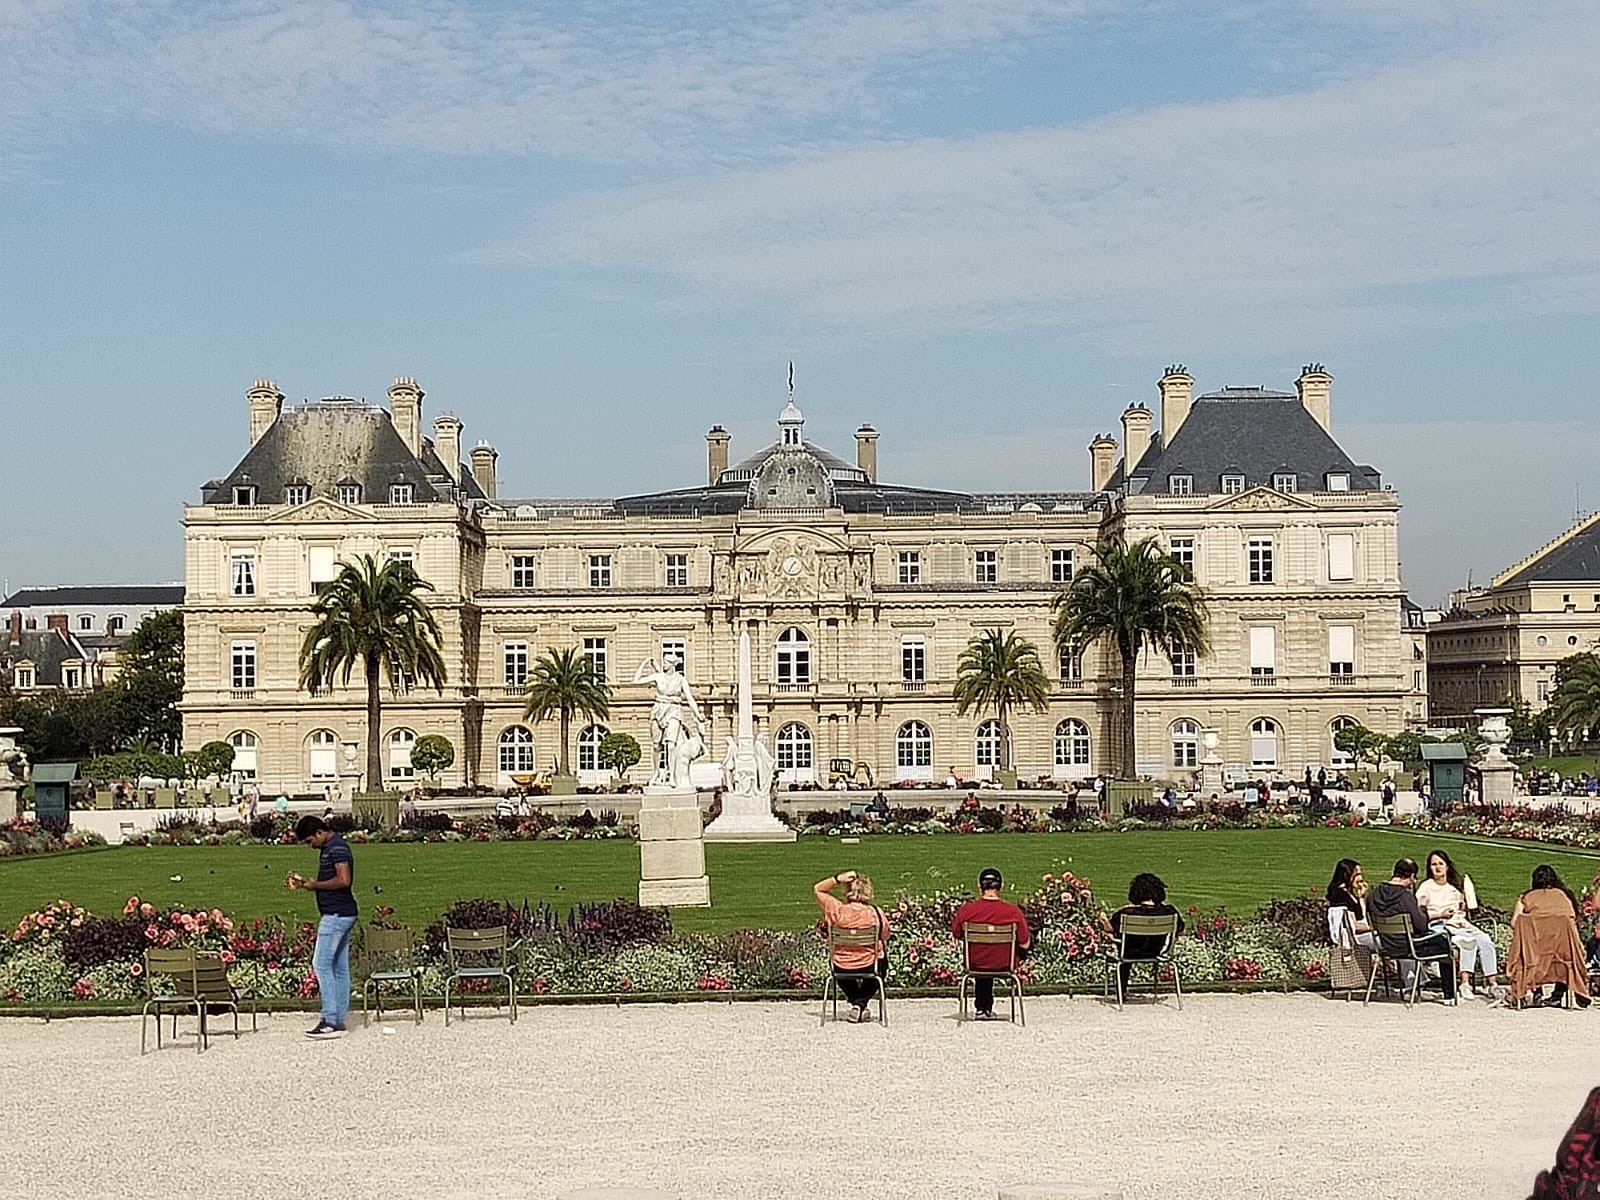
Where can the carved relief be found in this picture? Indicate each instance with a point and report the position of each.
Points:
(792, 567)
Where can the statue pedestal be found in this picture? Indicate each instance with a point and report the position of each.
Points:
(747, 817)
(672, 851)
(1496, 781)
(10, 806)
(13, 769)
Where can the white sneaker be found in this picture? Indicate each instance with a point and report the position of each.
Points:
(1464, 991)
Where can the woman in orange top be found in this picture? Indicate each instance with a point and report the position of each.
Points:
(855, 911)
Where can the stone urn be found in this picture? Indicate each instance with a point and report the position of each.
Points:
(1494, 731)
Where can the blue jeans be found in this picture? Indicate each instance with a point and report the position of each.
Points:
(331, 961)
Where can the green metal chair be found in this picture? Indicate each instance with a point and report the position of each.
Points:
(199, 984)
(1399, 926)
(980, 934)
(852, 939)
(387, 956)
(1136, 925)
(486, 954)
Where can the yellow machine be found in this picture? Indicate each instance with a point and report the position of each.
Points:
(856, 774)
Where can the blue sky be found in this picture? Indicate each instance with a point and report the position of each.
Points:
(594, 230)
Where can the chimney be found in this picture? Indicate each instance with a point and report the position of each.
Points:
(57, 622)
(483, 460)
(14, 623)
(1102, 461)
(1177, 393)
(405, 410)
(716, 453)
(266, 402)
(867, 452)
(447, 443)
(1315, 386)
(1136, 420)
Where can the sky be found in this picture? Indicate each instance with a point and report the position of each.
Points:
(593, 230)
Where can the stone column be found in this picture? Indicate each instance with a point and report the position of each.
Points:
(672, 849)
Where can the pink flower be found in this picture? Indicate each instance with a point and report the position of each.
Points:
(131, 906)
(151, 932)
(83, 989)
(147, 910)
(136, 969)
(229, 957)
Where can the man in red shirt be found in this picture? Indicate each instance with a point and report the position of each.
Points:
(989, 909)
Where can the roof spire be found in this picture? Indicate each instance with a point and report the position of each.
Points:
(791, 424)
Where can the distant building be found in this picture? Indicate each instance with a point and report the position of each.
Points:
(93, 623)
(1502, 642)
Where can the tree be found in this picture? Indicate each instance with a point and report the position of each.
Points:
(564, 683)
(149, 685)
(619, 751)
(1360, 743)
(1132, 595)
(432, 753)
(375, 616)
(1575, 703)
(1000, 670)
(71, 726)
(214, 759)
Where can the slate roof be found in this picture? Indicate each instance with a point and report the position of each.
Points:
(161, 595)
(1575, 560)
(1251, 432)
(46, 649)
(326, 442)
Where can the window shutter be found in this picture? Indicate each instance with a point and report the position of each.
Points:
(320, 564)
(1263, 647)
(1341, 643)
(1341, 556)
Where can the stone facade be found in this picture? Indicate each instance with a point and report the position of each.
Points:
(858, 597)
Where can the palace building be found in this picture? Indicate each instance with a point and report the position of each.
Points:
(859, 594)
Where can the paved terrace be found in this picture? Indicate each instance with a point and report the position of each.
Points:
(1236, 1097)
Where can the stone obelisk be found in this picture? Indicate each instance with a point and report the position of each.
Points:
(747, 776)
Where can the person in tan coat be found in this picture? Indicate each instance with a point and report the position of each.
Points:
(1545, 947)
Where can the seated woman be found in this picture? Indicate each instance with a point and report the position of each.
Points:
(1147, 897)
(855, 911)
(1447, 897)
(1545, 947)
(1347, 893)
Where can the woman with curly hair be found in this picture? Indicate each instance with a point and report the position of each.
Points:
(1147, 897)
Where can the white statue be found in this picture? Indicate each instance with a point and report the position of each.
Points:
(747, 767)
(676, 721)
(747, 775)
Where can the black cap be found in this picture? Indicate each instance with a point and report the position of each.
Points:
(989, 877)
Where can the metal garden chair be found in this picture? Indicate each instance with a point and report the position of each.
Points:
(1137, 925)
(480, 954)
(388, 956)
(852, 939)
(1399, 926)
(980, 934)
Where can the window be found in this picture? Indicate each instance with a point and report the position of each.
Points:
(793, 662)
(1185, 743)
(909, 565)
(72, 677)
(676, 648)
(913, 748)
(322, 754)
(399, 493)
(85, 622)
(296, 493)
(514, 754)
(1283, 482)
(400, 743)
(1341, 556)
(986, 745)
(244, 666)
(599, 570)
(1069, 664)
(516, 664)
(1264, 743)
(913, 658)
(245, 748)
(1260, 560)
(1232, 485)
(1180, 485)
(119, 622)
(1416, 684)
(22, 678)
(677, 570)
(403, 555)
(1182, 551)
(594, 649)
(1336, 756)
(1338, 481)
(348, 493)
(1543, 687)
(1061, 566)
(320, 565)
(1341, 650)
(589, 747)
(524, 570)
(1072, 744)
(1183, 664)
(793, 748)
(1263, 649)
(245, 494)
(985, 567)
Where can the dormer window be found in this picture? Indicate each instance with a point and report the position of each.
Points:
(296, 493)
(1283, 481)
(399, 493)
(348, 493)
(1180, 485)
(1232, 485)
(1338, 481)
(244, 494)
(22, 677)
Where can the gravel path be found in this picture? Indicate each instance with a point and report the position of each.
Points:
(1235, 1097)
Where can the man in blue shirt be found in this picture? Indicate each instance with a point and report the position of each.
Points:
(336, 901)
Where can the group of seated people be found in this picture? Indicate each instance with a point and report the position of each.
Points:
(1545, 945)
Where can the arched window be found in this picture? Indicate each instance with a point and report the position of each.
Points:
(1264, 743)
(792, 665)
(793, 751)
(322, 754)
(400, 743)
(244, 753)
(913, 751)
(514, 754)
(589, 747)
(987, 745)
(1336, 756)
(1072, 744)
(1185, 743)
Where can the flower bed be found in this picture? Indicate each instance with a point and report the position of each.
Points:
(1553, 823)
(26, 836)
(63, 954)
(1062, 819)
(184, 829)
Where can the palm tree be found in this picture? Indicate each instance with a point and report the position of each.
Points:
(1575, 703)
(1134, 595)
(374, 615)
(563, 683)
(1000, 670)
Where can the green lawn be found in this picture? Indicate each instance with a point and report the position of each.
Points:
(755, 885)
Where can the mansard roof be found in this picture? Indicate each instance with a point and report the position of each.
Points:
(131, 595)
(1574, 557)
